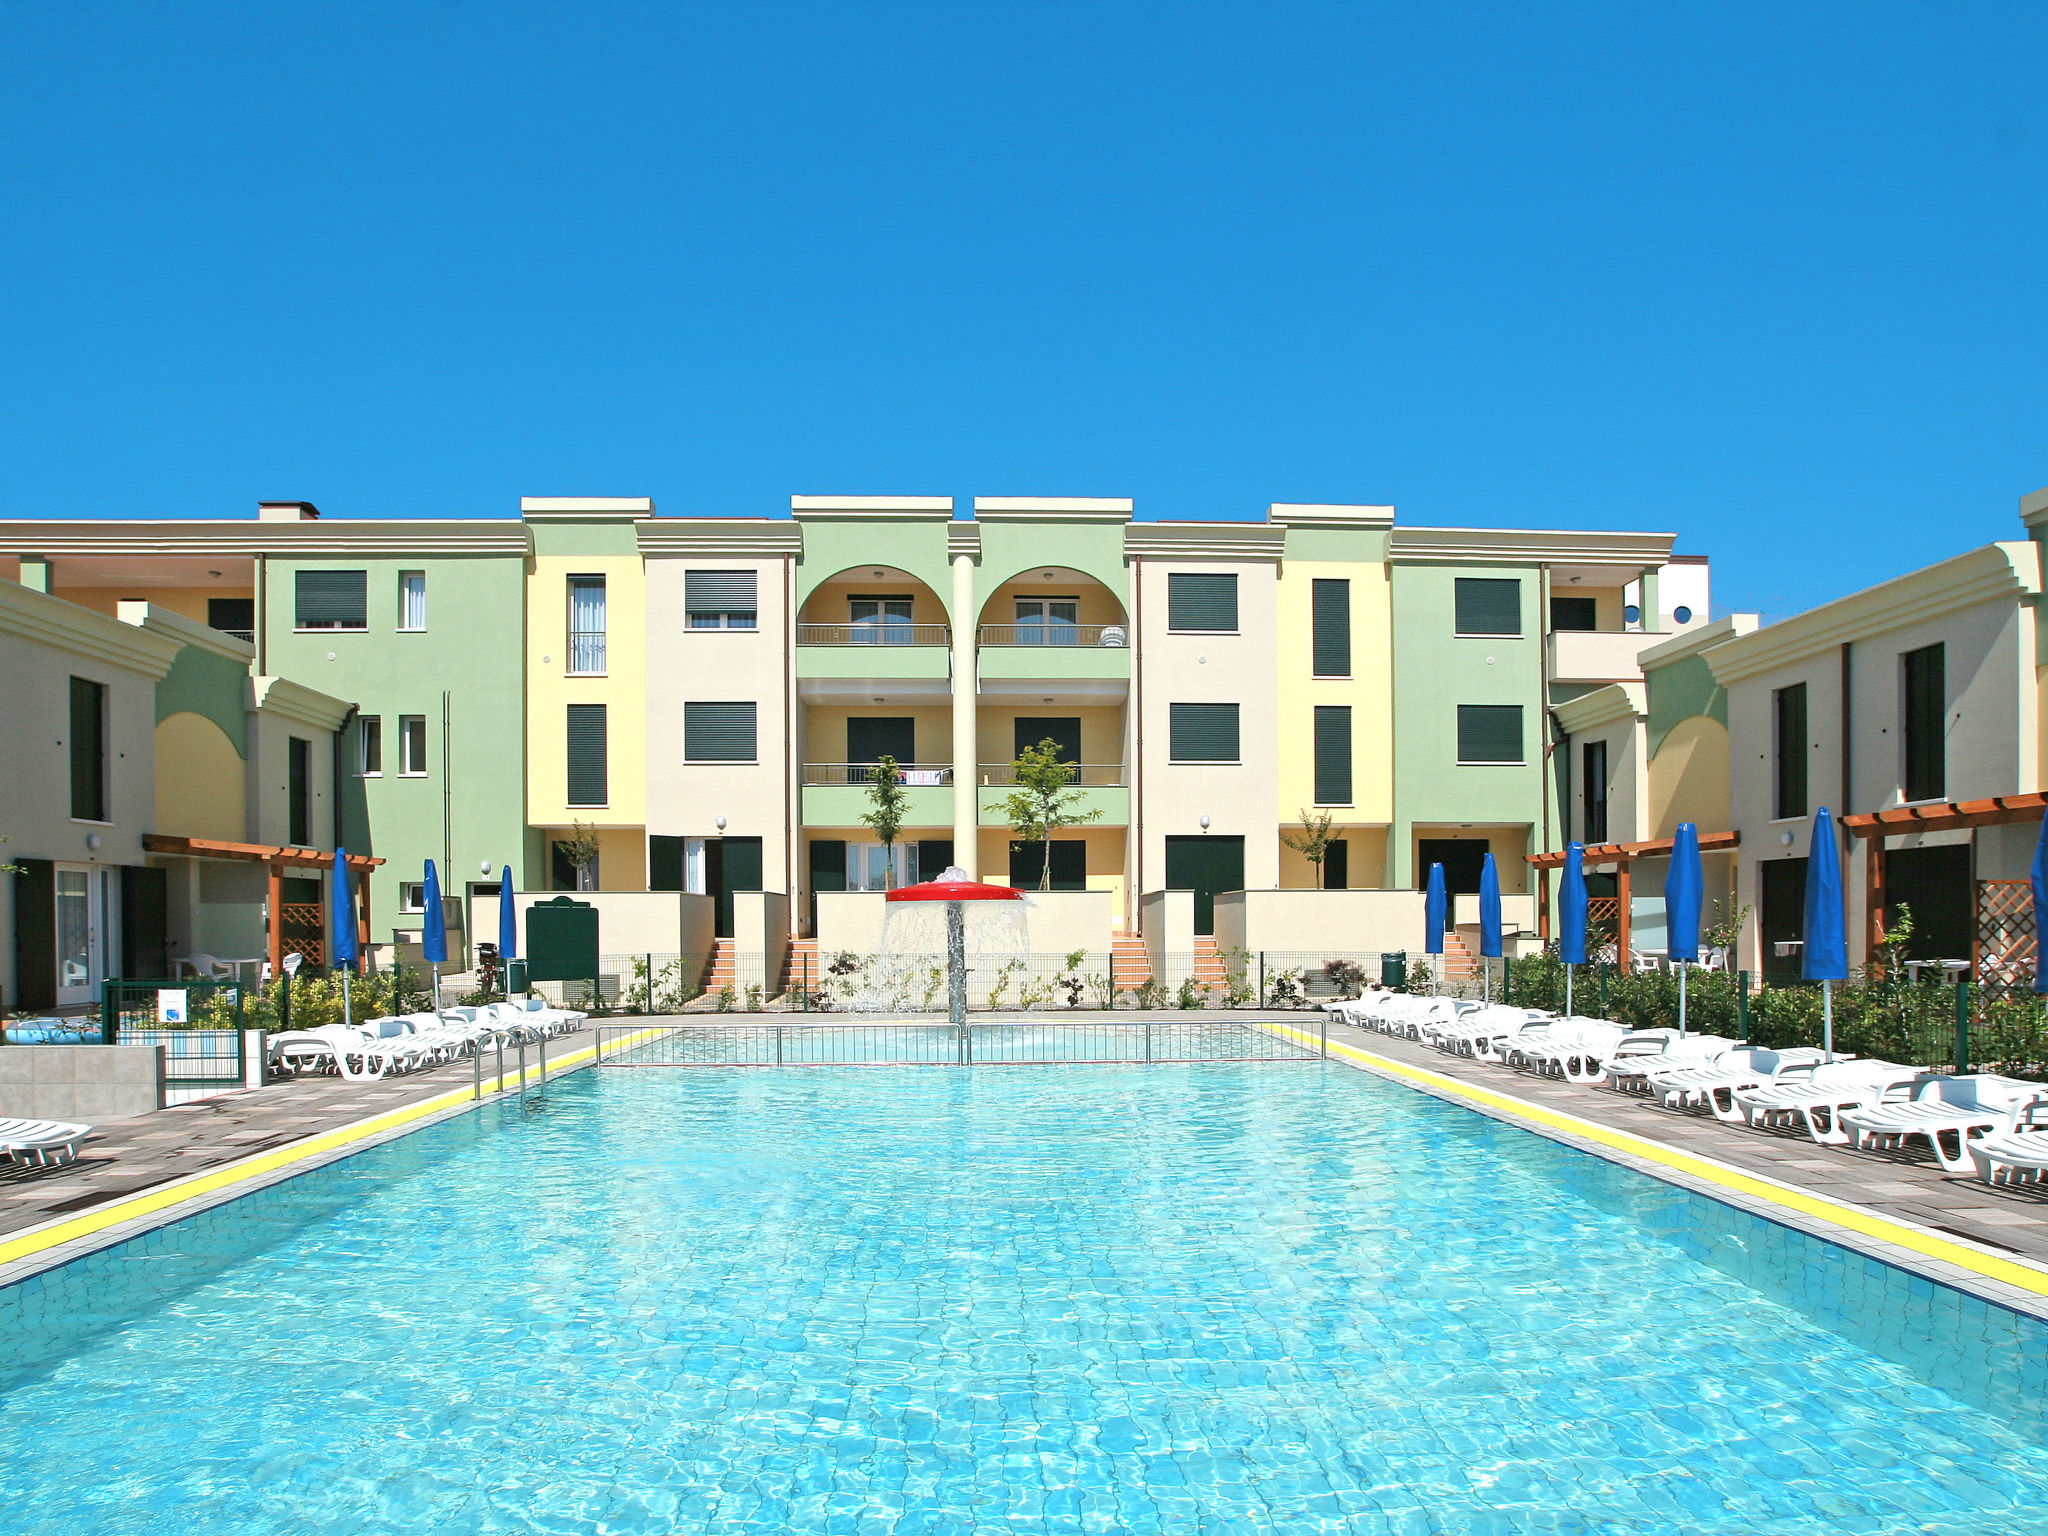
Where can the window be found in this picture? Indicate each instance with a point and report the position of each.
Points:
(412, 599)
(586, 626)
(1199, 602)
(719, 733)
(1489, 733)
(232, 616)
(721, 599)
(88, 750)
(1202, 733)
(1581, 613)
(1926, 711)
(1593, 756)
(1330, 623)
(299, 759)
(880, 620)
(869, 866)
(1048, 620)
(1681, 614)
(370, 746)
(589, 755)
(412, 746)
(412, 896)
(1489, 605)
(1333, 754)
(332, 600)
(1788, 705)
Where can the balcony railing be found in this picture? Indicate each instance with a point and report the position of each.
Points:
(915, 775)
(881, 632)
(1111, 636)
(586, 653)
(1086, 775)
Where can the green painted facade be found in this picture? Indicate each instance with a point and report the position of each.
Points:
(201, 683)
(1676, 692)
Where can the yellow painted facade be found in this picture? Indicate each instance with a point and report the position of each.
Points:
(202, 782)
(622, 690)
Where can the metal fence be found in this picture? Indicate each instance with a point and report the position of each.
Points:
(198, 1023)
(1026, 1042)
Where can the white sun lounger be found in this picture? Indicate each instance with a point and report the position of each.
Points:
(1648, 1051)
(2018, 1152)
(41, 1140)
(1944, 1107)
(1833, 1089)
(1715, 1084)
(1574, 1046)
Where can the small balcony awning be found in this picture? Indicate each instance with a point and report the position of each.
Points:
(1949, 815)
(255, 853)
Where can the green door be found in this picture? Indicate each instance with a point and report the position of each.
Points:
(1206, 866)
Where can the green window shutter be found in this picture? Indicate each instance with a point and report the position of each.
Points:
(1489, 605)
(589, 753)
(1926, 689)
(1203, 733)
(665, 857)
(1790, 707)
(828, 863)
(1333, 754)
(1331, 623)
(721, 591)
(1201, 601)
(719, 733)
(1489, 733)
(299, 772)
(88, 750)
(332, 599)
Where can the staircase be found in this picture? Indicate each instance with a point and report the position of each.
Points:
(804, 966)
(722, 970)
(1459, 963)
(1209, 973)
(1129, 966)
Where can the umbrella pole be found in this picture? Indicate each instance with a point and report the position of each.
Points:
(436, 969)
(348, 1012)
(1486, 979)
(1827, 1014)
(1681, 999)
(1568, 991)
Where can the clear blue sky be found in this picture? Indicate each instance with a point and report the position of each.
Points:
(1771, 276)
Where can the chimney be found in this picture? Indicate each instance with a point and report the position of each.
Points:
(286, 512)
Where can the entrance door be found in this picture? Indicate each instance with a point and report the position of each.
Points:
(1934, 884)
(1462, 858)
(1069, 864)
(82, 906)
(1206, 866)
(1781, 916)
(1064, 730)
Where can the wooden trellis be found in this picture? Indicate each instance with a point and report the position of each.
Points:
(2007, 947)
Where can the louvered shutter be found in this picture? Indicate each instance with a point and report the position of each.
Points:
(332, 599)
(1201, 602)
(1489, 733)
(589, 778)
(1331, 624)
(1333, 754)
(1204, 733)
(719, 733)
(1489, 605)
(720, 591)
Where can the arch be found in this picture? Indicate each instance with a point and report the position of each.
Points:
(1098, 604)
(201, 780)
(828, 607)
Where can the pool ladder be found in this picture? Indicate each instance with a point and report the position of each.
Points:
(540, 1043)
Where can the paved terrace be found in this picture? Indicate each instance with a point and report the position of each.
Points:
(127, 1157)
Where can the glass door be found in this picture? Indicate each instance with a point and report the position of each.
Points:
(880, 620)
(868, 866)
(1048, 620)
(81, 935)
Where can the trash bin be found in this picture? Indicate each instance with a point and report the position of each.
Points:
(515, 976)
(1394, 968)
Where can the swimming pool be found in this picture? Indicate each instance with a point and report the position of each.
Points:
(1261, 1298)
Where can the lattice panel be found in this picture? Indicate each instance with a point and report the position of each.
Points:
(2006, 946)
(302, 926)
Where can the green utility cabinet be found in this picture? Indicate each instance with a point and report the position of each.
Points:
(561, 940)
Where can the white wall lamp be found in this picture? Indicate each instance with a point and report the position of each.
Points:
(1205, 823)
(721, 823)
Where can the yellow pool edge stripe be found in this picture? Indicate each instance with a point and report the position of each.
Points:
(31, 1241)
(1851, 1218)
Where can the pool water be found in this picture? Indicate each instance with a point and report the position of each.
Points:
(1167, 1299)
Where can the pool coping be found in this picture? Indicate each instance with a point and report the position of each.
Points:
(2012, 1282)
(52, 1244)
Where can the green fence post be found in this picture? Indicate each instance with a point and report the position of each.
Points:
(1742, 1003)
(1262, 985)
(1507, 982)
(1604, 968)
(110, 1014)
(1962, 1027)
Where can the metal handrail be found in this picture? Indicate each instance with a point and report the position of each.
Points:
(1087, 775)
(1107, 636)
(880, 632)
(863, 773)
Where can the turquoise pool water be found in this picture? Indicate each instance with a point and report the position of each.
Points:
(1197, 1299)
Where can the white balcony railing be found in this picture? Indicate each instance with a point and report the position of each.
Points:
(1109, 636)
(1599, 656)
(915, 775)
(880, 632)
(1086, 775)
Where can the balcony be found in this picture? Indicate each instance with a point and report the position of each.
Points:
(1599, 656)
(838, 794)
(847, 661)
(1106, 636)
(889, 632)
(1080, 662)
(1103, 788)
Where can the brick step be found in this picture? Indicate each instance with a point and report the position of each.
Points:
(1129, 965)
(1209, 971)
(721, 970)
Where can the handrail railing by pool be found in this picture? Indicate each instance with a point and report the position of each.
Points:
(882, 632)
(915, 775)
(851, 1042)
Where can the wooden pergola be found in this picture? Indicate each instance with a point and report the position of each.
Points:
(277, 860)
(1622, 856)
(1946, 816)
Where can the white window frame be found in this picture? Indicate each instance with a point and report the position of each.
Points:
(405, 604)
(865, 866)
(369, 729)
(412, 896)
(407, 768)
(602, 633)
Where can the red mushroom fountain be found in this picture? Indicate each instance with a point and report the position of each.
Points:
(955, 890)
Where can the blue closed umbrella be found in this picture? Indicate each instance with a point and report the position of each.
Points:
(1489, 920)
(344, 929)
(1433, 924)
(508, 930)
(1571, 917)
(434, 931)
(1684, 887)
(2040, 883)
(1824, 957)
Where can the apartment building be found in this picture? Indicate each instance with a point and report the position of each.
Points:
(611, 700)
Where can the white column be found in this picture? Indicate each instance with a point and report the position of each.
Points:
(966, 685)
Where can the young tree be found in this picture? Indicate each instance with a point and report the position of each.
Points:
(1313, 841)
(889, 801)
(1045, 800)
(580, 849)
